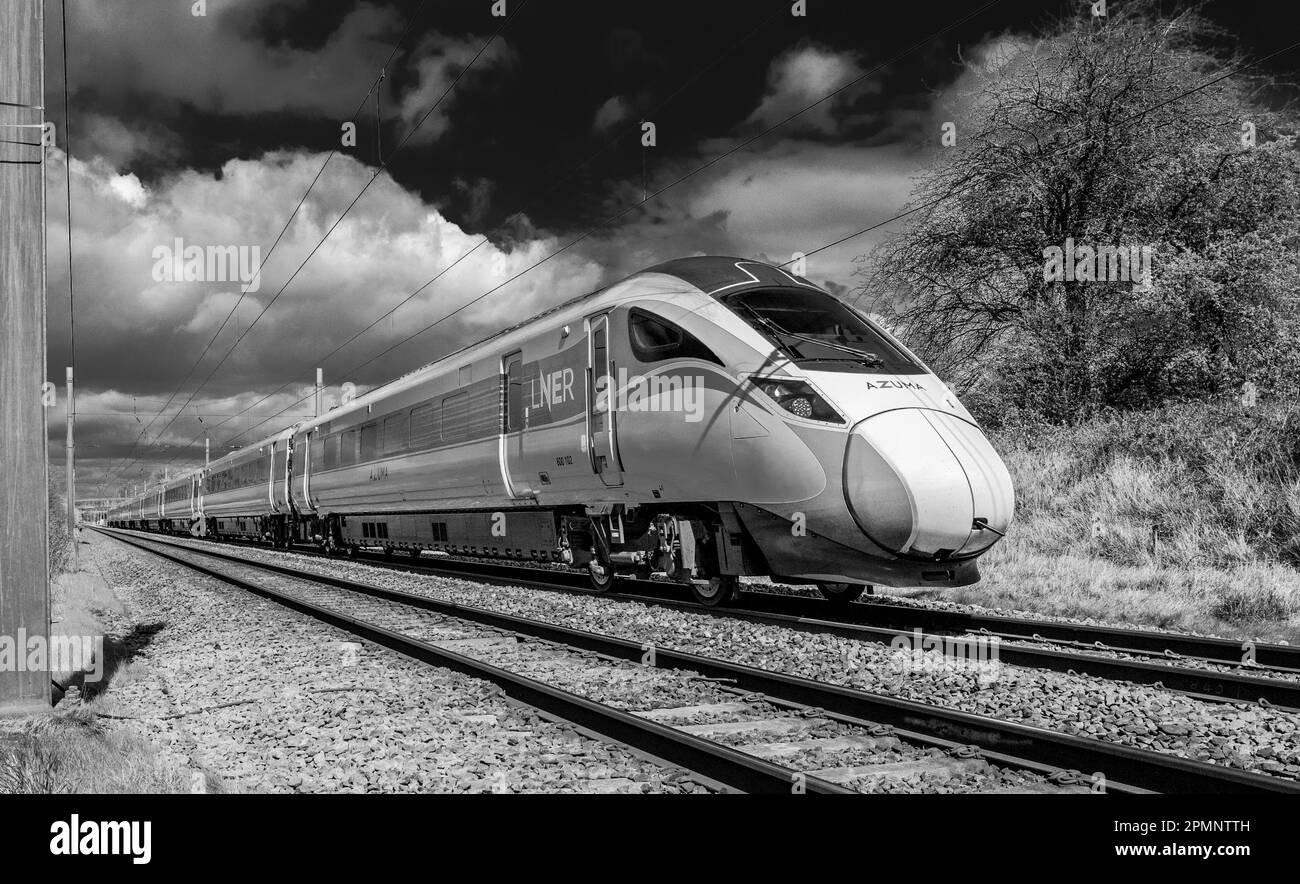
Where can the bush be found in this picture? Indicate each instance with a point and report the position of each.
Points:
(1208, 483)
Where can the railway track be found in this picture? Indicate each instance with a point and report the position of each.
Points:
(1201, 668)
(805, 715)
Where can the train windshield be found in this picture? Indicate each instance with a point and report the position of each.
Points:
(818, 332)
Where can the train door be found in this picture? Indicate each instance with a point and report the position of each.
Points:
(290, 453)
(270, 486)
(602, 413)
(514, 470)
(306, 450)
(196, 505)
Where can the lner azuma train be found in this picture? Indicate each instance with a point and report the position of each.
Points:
(705, 419)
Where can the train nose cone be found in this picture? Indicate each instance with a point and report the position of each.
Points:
(917, 481)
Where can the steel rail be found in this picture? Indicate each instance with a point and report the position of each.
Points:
(701, 757)
(856, 622)
(1121, 765)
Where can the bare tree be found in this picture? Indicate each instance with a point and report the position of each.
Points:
(1103, 138)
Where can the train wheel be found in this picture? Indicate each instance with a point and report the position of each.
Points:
(415, 553)
(602, 578)
(841, 593)
(717, 591)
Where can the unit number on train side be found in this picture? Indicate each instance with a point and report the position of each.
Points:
(565, 461)
(378, 474)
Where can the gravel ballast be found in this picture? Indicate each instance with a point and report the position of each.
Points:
(750, 725)
(249, 696)
(1244, 736)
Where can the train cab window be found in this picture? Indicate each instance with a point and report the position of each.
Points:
(514, 392)
(655, 340)
(816, 330)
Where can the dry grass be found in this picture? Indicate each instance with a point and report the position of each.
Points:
(72, 752)
(1196, 511)
(1258, 601)
(60, 545)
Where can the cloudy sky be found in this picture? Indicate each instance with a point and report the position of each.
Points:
(501, 142)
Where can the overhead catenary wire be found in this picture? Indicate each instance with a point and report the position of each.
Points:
(69, 454)
(67, 143)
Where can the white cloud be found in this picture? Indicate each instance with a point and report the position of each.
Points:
(207, 61)
(800, 77)
(216, 64)
(611, 113)
(142, 334)
(437, 62)
(105, 136)
(128, 189)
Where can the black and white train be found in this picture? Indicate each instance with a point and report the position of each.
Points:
(707, 418)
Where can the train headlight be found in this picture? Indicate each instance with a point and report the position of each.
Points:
(800, 399)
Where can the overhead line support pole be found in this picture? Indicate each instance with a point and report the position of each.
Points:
(24, 471)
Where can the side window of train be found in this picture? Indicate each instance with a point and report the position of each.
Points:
(424, 426)
(369, 442)
(455, 416)
(514, 392)
(655, 339)
(348, 448)
(395, 433)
